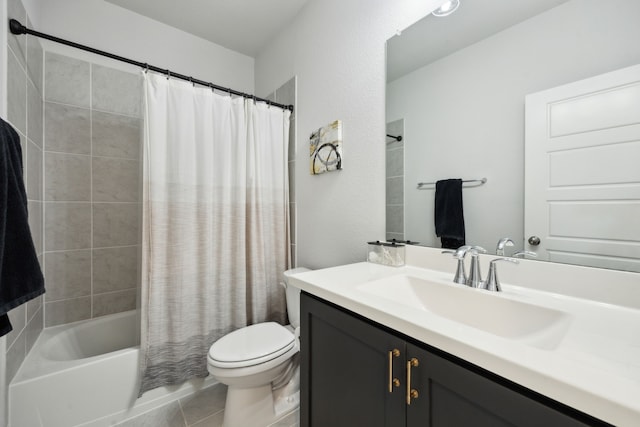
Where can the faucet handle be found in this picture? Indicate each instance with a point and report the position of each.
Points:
(475, 250)
(524, 254)
(474, 279)
(461, 275)
(502, 243)
(492, 283)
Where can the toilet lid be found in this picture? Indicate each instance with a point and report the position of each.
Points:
(251, 345)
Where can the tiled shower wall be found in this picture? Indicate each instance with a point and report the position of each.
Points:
(395, 181)
(24, 112)
(91, 174)
(286, 94)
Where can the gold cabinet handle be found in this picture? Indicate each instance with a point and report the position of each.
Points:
(393, 381)
(411, 393)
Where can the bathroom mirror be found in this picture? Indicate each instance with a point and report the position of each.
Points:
(456, 89)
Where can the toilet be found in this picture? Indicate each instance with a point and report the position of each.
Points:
(259, 364)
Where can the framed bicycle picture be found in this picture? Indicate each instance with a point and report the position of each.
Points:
(325, 148)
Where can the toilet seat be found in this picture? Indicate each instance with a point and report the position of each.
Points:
(251, 345)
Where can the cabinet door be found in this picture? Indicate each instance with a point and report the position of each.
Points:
(451, 395)
(345, 370)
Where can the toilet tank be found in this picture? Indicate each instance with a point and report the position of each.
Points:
(293, 296)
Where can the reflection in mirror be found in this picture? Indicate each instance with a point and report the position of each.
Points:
(456, 89)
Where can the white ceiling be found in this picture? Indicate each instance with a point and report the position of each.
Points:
(433, 38)
(244, 26)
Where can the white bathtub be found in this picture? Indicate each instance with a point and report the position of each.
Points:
(86, 374)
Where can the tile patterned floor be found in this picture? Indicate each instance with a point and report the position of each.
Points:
(203, 409)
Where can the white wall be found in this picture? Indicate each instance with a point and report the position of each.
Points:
(336, 49)
(108, 27)
(464, 114)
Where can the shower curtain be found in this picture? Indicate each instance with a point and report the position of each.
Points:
(215, 223)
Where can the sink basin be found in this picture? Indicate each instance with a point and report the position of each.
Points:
(515, 320)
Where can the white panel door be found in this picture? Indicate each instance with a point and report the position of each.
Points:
(582, 171)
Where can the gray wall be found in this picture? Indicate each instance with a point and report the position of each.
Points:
(24, 112)
(286, 94)
(394, 167)
(91, 175)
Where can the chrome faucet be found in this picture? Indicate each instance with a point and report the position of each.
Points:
(475, 277)
(459, 254)
(492, 283)
(502, 243)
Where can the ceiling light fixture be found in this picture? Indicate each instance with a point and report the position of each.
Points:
(446, 8)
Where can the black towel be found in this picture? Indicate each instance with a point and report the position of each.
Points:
(20, 275)
(449, 217)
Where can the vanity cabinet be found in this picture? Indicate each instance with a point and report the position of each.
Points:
(355, 372)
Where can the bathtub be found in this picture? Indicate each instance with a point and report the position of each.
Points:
(86, 374)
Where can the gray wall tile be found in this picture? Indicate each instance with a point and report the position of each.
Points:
(15, 356)
(35, 58)
(114, 302)
(67, 225)
(35, 224)
(115, 91)
(68, 274)
(395, 190)
(115, 224)
(395, 219)
(292, 181)
(34, 172)
(116, 135)
(18, 318)
(33, 329)
(67, 177)
(34, 114)
(34, 305)
(66, 80)
(397, 236)
(115, 269)
(66, 311)
(17, 43)
(74, 133)
(395, 162)
(115, 180)
(292, 220)
(292, 140)
(16, 94)
(68, 129)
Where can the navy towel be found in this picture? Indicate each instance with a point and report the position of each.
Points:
(20, 275)
(449, 217)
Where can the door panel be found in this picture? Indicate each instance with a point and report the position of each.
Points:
(345, 370)
(450, 395)
(582, 173)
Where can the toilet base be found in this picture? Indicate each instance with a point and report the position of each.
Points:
(249, 407)
(261, 406)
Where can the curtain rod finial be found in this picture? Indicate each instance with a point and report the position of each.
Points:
(16, 27)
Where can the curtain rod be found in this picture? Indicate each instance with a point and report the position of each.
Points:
(17, 28)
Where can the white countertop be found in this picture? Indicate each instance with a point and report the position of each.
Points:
(594, 368)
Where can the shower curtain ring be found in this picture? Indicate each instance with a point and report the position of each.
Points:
(168, 74)
(146, 68)
(191, 81)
